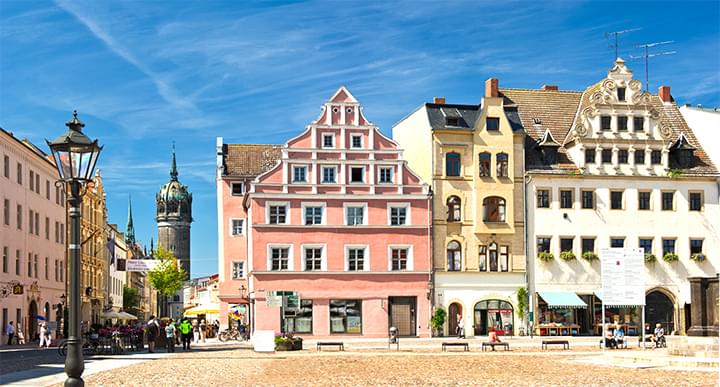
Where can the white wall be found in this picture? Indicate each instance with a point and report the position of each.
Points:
(705, 124)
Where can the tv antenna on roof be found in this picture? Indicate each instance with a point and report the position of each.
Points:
(648, 55)
(615, 35)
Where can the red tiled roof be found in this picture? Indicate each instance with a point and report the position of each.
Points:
(250, 160)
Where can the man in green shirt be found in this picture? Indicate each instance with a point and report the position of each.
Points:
(186, 332)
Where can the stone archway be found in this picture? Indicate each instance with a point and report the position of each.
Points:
(32, 321)
(659, 308)
(454, 311)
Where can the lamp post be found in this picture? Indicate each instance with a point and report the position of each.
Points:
(75, 156)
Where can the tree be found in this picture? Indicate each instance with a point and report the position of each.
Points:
(131, 298)
(522, 301)
(438, 320)
(168, 277)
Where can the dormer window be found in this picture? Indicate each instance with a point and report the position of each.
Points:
(605, 122)
(492, 123)
(452, 121)
(682, 152)
(621, 93)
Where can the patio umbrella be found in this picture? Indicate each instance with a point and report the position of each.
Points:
(211, 308)
(40, 318)
(126, 316)
(111, 314)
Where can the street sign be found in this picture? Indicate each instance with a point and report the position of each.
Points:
(142, 265)
(623, 276)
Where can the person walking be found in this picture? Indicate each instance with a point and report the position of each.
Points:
(203, 330)
(170, 333)
(44, 342)
(459, 327)
(186, 332)
(196, 331)
(153, 328)
(10, 331)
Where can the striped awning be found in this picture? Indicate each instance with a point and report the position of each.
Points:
(562, 300)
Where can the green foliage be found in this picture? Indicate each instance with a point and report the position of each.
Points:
(168, 277)
(438, 319)
(698, 257)
(522, 301)
(131, 298)
(674, 173)
(650, 257)
(590, 256)
(670, 257)
(546, 256)
(567, 255)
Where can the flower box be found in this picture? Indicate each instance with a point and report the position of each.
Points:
(546, 256)
(650, 258)
(670, 257)
(698, 257)
(567, 255)
(590, 256)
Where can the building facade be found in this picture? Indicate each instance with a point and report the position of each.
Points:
(93, 252)
(339, 233)
(117, 279)
(473, 155)
(704, 123)
(32, 237)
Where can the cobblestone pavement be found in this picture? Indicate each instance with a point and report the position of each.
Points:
(243, 367)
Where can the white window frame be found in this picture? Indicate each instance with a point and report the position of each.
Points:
(366, 257)
(288, 246)
(232, 270)
(232, 227)
(356, 205)
(410, 258)
(322, 174)
(353, 136)
(232, 190)
(392, 174)
(408, 213)
(273, 204)
(323, 135)
(323, 256)
(305, 205)
(303, 166)
(349, 175)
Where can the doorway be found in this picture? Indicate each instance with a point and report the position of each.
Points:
(454, 311)
(402, 315)
(659, 309)
(493, 313)
(32, 320)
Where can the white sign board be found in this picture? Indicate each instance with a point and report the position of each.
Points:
(264, 341)
(274, 301)
(143, 265)
(623, 276)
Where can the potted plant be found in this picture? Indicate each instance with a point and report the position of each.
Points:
(567, 255)
(670, 257)
(288, 342)
(438, 321)
(546, 256)
(698, 257)
(650, 257)
(589, 256)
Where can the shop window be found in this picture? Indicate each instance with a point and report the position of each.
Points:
(453, 209)
(454, 256)
(298, 319)
(452, 164)
(485, 160)
(494, 209)
(502, 165)
(495, 314)
(345, 316)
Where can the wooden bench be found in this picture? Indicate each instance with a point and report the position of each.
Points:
(466, 346)
(564, 343)
(506, 346)
(338, 344)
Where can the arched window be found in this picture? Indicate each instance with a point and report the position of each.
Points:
(452, 164)
(502, 165)
(493, 256)
(454, 256)
(494, 209)
(484, 164)
(453, 209)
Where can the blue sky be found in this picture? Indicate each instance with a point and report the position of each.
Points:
(143, 74)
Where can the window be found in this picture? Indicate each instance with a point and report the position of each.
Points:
(19, 217)
(639, 157)
(638, 124)
(623, 156)
(236, 227)
(695, 201)
(57, 232)
(454, 256)
(356, 174)
(644, 200)
(621, 93)
(543, 245)
(29, 265)
(543, 198)
(37, 223)
(617, 242)
(566, 244)
(386, 174)
(355, 215)
(32, 181)
(356, 259)
(37, 183)
(646, 245)
(588, 199)
(237, 189)
(47, 228)
(616, 200)
(566, 198)
(398, 259)
(345, 316)
(47, 268)
(590, 156)
(5, 259)
(398, 216)
(299, 174)
(493, 257)
(279, 258)
(6, 168)
(328, 174)
(453, 209)
(605, 122)
(494, 209)
(56, 271)
(313, 215)
(328, 140)
(19, 173)
(485, 164)
(6, 212)
(668, 201)
(62, 233)
(696, 246)
(606, 156)
(278, 214)
(504, 258)
(482, 258)
(299, 320)
(62, 272)
(356, 141)
(452, 121)
(502, 165)
(452, 164)
(622, 123)
(668, 246)
(655, 157)
(313, 258)
(17, 262)
(588, 244)
(493, 123)
(47, 190)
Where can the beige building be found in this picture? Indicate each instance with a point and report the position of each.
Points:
(117, 279)
(473, 155)
(32, 237)
(94, 253)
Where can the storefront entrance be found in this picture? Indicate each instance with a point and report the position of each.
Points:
(32, 321)
(659, 309)
(454, 311)
(493, 313)
(402, 315)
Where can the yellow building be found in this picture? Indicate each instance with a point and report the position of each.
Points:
(94, 253)
(473, 155)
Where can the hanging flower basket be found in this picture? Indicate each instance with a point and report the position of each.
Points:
(650, 258)
(590, 256)
(567, 255)
(546, 256)
(698, 257)
(670, 257)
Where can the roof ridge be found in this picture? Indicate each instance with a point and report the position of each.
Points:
(540, 90)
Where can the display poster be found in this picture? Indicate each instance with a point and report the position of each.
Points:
(143, 265)
(354, 324)
(623, 276)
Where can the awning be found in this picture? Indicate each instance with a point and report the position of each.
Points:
(203, 309)
(562, 300)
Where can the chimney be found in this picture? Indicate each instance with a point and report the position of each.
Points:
(439, 100)
(491, 88)
(664, 93)
(550, 87)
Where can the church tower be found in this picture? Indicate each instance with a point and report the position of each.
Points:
(174, 215)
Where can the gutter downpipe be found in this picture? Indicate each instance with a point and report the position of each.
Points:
(528, 277)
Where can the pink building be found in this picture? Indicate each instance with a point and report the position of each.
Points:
(339, 236)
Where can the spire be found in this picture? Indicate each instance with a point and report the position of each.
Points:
(130, 231)
(173, 168)
(152, 248)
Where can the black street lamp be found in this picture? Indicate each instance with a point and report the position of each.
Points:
(243, 291)
(75, 155)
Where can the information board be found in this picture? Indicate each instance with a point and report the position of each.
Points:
(623, 276)
(143, 265)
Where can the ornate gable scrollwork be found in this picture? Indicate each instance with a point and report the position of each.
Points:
(641, 98)
(665, 130)
(635, 85)
(585, 125)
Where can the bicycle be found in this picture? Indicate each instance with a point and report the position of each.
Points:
(234, 334)
(89, 347)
